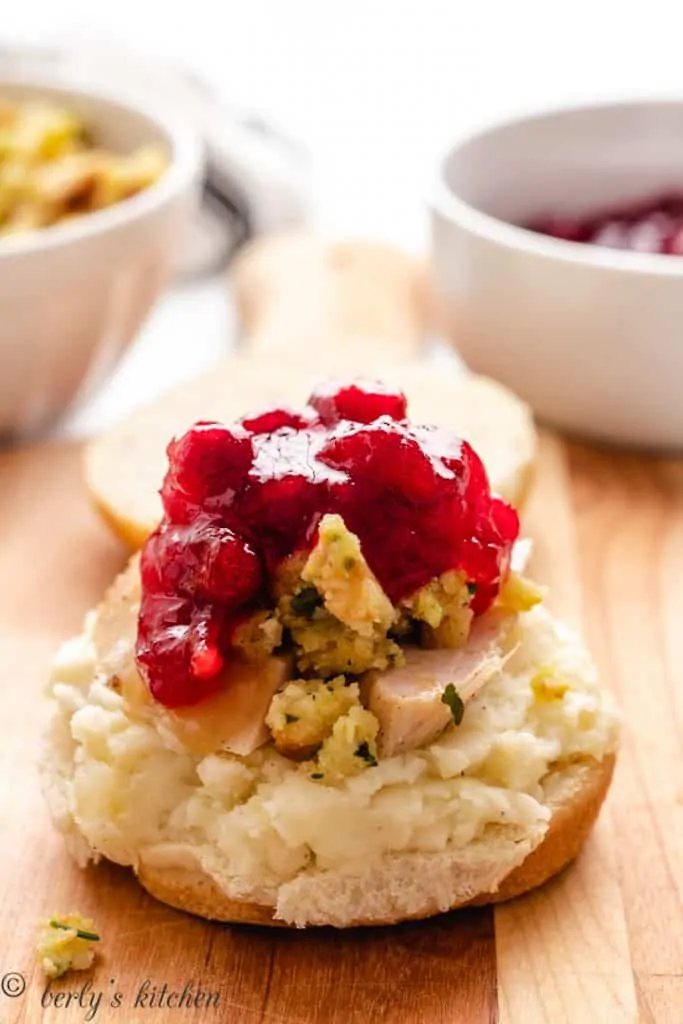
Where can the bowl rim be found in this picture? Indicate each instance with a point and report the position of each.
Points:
(186, 161)
(446, 203)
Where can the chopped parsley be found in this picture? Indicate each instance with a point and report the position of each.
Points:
(452, 698)
(305, 602)
(363, 750)
(471, 588)
(90, 936)
(317, 775)
(290, 718)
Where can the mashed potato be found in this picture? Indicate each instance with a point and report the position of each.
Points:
(120, 788)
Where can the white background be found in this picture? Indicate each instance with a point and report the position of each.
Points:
(375, 89)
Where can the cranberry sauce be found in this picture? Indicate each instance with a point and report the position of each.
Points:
(239, 499)
(650, 225)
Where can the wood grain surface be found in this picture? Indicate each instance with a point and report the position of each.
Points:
(601, 945)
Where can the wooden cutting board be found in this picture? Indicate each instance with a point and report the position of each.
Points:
(601, 945)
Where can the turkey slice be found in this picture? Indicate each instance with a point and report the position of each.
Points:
(409, 701)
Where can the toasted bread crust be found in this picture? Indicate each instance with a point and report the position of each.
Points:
(569, 828)
(572, 820)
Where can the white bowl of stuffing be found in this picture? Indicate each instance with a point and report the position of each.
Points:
(95, 194)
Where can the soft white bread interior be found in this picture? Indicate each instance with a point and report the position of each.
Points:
(490, 809)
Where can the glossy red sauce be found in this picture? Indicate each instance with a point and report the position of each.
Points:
(652, 225)
(239, 499)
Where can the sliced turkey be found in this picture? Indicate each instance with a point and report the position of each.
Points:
(409, 699)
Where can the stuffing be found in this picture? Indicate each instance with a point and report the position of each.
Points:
(66, 943)
(520, 594)
(337, 568)
(302, 715)
(443, 609)
(335, 610)
(351, 747)
(258, 635)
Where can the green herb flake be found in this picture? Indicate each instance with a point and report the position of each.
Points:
(317, 775)
(471, 588)
(349, 563)
(306, 601)
(363, 751)
(290, 718)
(90, 936)
(452, 698)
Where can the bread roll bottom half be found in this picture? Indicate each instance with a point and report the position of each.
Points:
(492, 808)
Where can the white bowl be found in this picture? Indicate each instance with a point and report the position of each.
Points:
(73, 296)
(591, 337)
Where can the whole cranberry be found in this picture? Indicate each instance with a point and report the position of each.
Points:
(570, 229)
(230, 569)
(384, 456)
(476, 480)
(649, 233)
(284, 508)
(454, 455)
(204, 558)
(486, 550)
(612, 233)
(270, 420)
(360, 401)
(287, 487)
(673, 245)
(178, 649)
(207, 460)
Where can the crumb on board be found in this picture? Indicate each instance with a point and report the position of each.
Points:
(66, 943)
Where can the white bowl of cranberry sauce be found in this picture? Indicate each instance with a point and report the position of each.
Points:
(558, 251)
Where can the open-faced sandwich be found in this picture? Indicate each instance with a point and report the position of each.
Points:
(323, 693)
